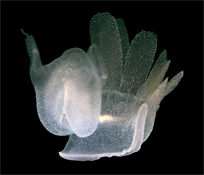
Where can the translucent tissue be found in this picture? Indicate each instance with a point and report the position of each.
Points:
(103, 99)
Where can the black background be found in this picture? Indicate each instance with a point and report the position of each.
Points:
(176, 143)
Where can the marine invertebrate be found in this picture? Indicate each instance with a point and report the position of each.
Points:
(104, 99)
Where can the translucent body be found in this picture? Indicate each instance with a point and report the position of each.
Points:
(104, 99)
